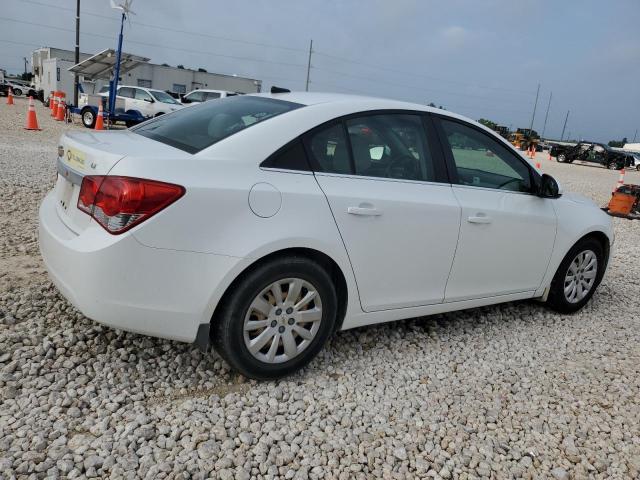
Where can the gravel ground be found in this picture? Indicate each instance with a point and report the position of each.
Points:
(511, 391)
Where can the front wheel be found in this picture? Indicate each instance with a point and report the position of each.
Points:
(276, 319)
(612, 166)
(561, 158)
(577, 277)
(88, 117)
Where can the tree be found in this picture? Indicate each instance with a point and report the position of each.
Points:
(202, 70)
(618, 143)
(180, 66)
(488, 123)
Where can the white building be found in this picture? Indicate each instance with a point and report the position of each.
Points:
(50, 68)
(631, 147)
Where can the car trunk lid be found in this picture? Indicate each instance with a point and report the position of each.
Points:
(91, 153)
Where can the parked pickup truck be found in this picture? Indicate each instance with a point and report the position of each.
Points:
(592, 152)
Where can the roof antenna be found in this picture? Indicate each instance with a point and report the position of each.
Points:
(275, 89)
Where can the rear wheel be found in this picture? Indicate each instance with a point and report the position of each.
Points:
(577, 277)
(561, 158)
(88, 117)
(276, 319)
(612, 166)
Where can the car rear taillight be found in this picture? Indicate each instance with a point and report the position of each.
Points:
(120, 203)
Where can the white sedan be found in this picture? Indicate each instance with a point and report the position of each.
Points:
(264, 223)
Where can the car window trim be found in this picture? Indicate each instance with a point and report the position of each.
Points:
(534, 176)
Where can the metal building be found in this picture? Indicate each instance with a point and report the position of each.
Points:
(50, 68)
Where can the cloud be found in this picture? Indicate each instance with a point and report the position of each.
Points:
(455, 36)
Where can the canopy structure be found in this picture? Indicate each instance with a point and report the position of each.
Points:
(101, 65)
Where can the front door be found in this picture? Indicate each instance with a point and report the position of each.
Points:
(398, 220)
(506, 232)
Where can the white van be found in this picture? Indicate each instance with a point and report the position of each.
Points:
(199, 96)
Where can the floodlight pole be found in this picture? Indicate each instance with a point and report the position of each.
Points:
(565, 125)
(76, 79)
(309, 66)
(533, 115)
(116, 74)
(547, 115)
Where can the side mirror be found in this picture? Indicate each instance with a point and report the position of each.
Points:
(549, 187)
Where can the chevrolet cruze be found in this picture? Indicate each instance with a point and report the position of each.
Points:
(262, 224)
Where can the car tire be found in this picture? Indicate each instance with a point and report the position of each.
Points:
(257, 350)
(561, 158)
(88, 117)
(638, 168)
(576, 270)
(612, 166)
(17, 92)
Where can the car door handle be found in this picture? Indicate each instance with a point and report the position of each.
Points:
(479, 219)
(365, 211)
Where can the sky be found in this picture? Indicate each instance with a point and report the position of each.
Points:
(477, 58)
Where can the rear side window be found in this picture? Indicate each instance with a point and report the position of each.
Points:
(125, 92)
(290, 157)
(329, 150)
(196, 128)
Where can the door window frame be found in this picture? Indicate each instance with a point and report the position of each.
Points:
(452, 169)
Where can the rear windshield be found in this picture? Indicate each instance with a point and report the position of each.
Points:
(197, 127)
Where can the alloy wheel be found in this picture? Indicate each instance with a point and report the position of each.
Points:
(282, 320)
(581, 276)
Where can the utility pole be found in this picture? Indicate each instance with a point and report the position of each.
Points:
(76, 81)
(565, 125)
(535, 105)
(635, 135)
(25, 67)
(547, 115)
(308, 64)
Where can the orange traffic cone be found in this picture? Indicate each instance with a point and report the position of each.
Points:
(32, 120)
(61, 111)
(10, 96)
(99, 120)
(620, 180)
(54, 106)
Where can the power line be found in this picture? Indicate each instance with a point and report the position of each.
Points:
(170, 29)
(395, 84)
(404, 72)
(155, 45)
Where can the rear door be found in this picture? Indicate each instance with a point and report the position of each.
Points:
(507, 233)
(397, 214)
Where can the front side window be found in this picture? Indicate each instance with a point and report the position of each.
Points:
(164, 97)
(482, 161)
(196, 128)
(212, 95)
(390, 146)
(142, 95)
(195, 97)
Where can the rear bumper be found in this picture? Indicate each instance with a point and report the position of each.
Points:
(117, 281)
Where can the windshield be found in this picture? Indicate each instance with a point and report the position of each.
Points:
(163, 97)
(196, 128)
